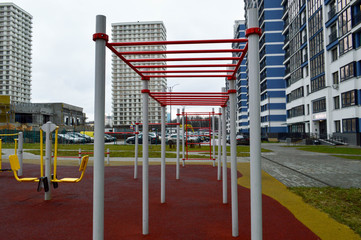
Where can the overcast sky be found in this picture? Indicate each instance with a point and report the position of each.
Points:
(63, 49)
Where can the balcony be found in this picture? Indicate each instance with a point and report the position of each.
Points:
(332, 37)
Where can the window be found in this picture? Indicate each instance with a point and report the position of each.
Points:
(342, 3)
(349, 125)
(333, 33)
(317, 65)
(336, 102)
(345, 44)
(349, 98)
(318, 83)
(344, 21)
(319, 105)
(334, 56)
(335, 78)
(337, 126)
(347, 71)
(296, 111)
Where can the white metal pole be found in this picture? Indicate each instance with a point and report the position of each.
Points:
(234, 189)
(79, 156)
(224, 155)
(48, 128)
(162, 174)
(213, 138)
(99, 113)
(108, 156)
(255, 123)
(219, 145)
(177, 165)
(145, 93)
(136, 148)
(183, 135)
(20, 152)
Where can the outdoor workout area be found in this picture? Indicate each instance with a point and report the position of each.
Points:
(148, 68)
(167, 200)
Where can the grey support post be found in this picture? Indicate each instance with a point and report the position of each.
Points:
(224, 154)
(100, 39)
(20, 152)
(219, 146)
(177, 166)
(253, 33)
(234, 187)
(162, 181)
(136, 147)
(145, 95)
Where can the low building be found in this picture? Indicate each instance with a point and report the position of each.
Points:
(36, 114)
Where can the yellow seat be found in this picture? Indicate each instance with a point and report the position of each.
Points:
(15, 166)
(82, 167)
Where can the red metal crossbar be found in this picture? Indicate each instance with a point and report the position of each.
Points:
(152, 67)
(151, 63)
(190, 98)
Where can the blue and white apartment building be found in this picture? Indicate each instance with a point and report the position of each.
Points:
(323, 66)
(310, 63)
(242, 82)
(272, 70)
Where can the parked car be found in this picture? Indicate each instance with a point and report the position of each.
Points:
(242, 140)
(74, 138)
(154, 139)
(86, 138)
(194, 139)
(109, 138)
(172, 139)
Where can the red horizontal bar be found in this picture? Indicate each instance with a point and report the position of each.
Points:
(181, 51)
(240, 60)
(182, 59)
(189, 71)
(178, 42)
(185, 66)
(124, 60)
(185, 76)
(193, 93)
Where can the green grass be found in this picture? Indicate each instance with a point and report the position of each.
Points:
(344, 205)
(127, 150)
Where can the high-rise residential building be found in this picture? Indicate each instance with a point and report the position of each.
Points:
(126, 84)
(242, 82)
(15, 52)
(323, 66)
(272, 70)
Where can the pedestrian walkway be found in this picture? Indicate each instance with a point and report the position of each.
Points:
(296, 168)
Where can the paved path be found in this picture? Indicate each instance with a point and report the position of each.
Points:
(312, 169)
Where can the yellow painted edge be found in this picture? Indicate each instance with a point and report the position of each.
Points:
(317, 221)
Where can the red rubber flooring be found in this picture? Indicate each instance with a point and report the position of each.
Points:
(194, 208)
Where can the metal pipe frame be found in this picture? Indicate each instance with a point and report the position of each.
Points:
(99, 112)
(255, 125)
(177, 165)
(234, 187)
(145, 183)
(219, 173)
(224, 155)
(162, 174)
(136, 148)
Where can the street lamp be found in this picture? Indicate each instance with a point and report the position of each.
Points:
(170, 89)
